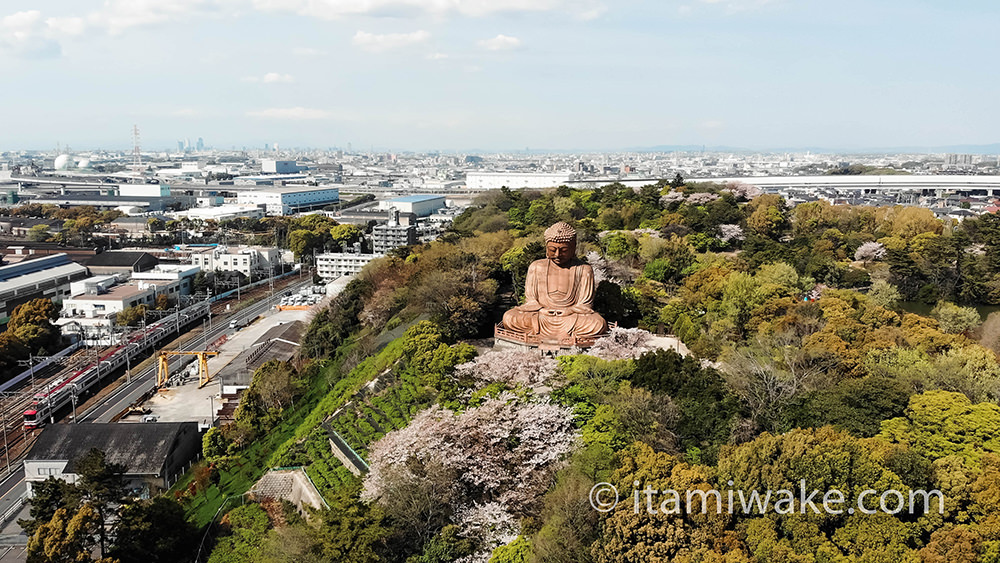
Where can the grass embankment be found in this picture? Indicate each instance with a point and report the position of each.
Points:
(298, 440)
(240, 472)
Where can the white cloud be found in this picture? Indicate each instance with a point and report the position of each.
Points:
(736, 6)
(270, 78)
(592, 13)
(334, 9)
(71, 26)
(291, 113)
(307, 52)
(185, 112)
(23, 34)
(438, 56)
(713, 124)
(500, 43)
(378, 43)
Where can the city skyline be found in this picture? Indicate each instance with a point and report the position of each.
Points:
(430, 75)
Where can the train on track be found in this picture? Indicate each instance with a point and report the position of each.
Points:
(64, 390)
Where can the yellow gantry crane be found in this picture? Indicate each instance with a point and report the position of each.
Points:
(163, 371)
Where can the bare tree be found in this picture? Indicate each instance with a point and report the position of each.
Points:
(768, 374)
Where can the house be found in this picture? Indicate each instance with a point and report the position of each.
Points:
(154, 454)
(20, 226)
(120, 262)
(135, 227)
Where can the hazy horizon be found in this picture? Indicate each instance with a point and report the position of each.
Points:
(504, 75)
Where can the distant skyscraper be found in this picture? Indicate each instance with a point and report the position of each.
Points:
(201, 144)
(267, 146)
(180, 146)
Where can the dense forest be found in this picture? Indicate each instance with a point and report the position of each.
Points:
(806, 366)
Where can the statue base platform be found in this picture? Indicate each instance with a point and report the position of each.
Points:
(536, 341)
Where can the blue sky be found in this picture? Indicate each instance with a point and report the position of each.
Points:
(499, 74)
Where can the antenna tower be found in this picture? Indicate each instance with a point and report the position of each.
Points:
(136, 152)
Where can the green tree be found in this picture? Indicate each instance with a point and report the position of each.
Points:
(621, 245)
(31, 322)
(302, 242)
(39, 233)
(131, 316)
(153, 531)
(955, 319)
(102, 487)
(47, 497)
(884, 294)
(69, 537)
(248, 525)
(943, 423)
(346, 234)
(352, 531)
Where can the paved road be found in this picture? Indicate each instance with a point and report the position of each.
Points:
(13, 487)
(142, 382)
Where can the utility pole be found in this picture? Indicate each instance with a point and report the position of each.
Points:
(211, 416)
(74, 390)
(6, 448)
(128, 364)
(30, 364)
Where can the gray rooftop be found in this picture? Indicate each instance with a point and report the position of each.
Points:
(142, 448)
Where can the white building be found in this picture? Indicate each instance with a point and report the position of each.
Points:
(96, 299)
(271, 166)
(98, 304)
(419, 205)
(144, 190)
(288, 200)
(221, 212)
(251, 261)
(178, 279)
(515, 180)
(333, 265)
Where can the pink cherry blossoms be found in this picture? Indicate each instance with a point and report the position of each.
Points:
(512, 367)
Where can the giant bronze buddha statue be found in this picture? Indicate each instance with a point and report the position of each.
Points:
(559, 295)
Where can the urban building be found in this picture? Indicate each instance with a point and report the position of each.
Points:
(515, 180)
(13, 254)
(221, 212)
(419, 205)
(175, 279)
(20, 226)
(98, 303)
(144, 190)
(392, 235)
(154, 454)
(120, 262)
(135, 227)
(271, 166)
(251, 261)
(96, 300)
(45, 277)
(333, 265)
(288, 200)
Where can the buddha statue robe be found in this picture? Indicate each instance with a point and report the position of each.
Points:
(558, 303)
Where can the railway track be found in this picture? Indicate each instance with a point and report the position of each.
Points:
(15, 439)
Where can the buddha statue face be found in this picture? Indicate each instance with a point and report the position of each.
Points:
(560, 253)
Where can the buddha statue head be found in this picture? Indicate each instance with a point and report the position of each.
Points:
(560, 244)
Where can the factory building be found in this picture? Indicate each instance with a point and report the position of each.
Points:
(289, 200)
